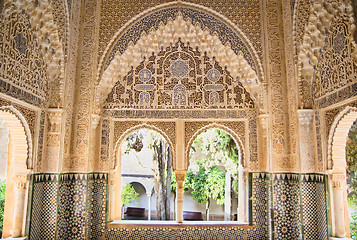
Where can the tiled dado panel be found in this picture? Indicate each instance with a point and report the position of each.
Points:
(44, 206)
(181, 233)
(259, 205)
(96, 205)
(68, 206)
(73, 206)
(259, 195)
(314, 206)
(299, 206)
(286, 206)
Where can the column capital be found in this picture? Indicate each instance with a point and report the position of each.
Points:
(337, 180)
(21, 180)
(180, 177)
(55, 117)
(263, 120)
(95, 121)
(305, 117)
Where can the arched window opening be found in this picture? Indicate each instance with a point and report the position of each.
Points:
(146, 163)
(212, 184)
(351, 177)
(14, 161)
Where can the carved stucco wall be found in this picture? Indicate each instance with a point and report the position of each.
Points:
(245, 14)
(22, 65)
(179, 77)
(202, 29)
(337, 68)
(32, 51)
(94, 25)
(322, 40)
(4, 139)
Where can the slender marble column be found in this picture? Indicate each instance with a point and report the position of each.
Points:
(149, 210)
(227, 199)
(338, 191)
(180, 178)
(53, 140)
(19, 205)
(306, 140)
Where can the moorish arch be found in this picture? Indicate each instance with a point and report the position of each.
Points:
(337, 139)
(337, 166)
(20, 132)
(128, 131)
(162, 26)
(232, 133)
(115, 210)
(242, 168)
(19, 165)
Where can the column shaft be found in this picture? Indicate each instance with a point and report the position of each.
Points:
(227, 199)
(19, 208)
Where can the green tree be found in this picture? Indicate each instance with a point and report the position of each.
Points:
(162, 164)
(2, 202)
(128, 195)
(217, 148)
(353, 226)
(206, 185)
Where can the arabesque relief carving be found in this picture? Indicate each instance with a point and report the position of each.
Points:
(249, 20)
(36, 35)
(318, 29)
(222, 43)
(179, 77)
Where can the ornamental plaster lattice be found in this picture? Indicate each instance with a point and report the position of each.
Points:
(38, 31)
(337, 67)
(179, 78)
(318, 29)
(292, 92)
(132, 48)
(71, 73)
(302, 10)
(61, 17)
(249, 20)
(80, 98)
